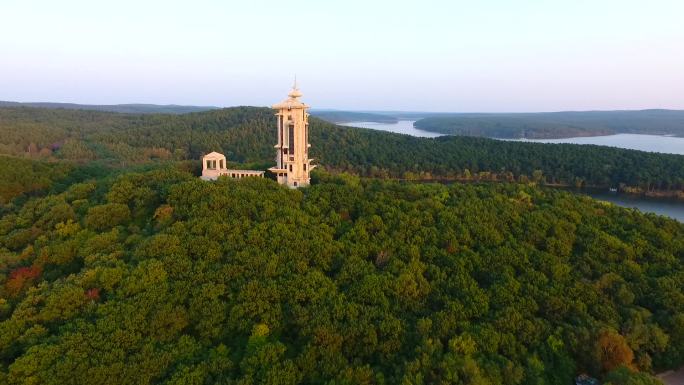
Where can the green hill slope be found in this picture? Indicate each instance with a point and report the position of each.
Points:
(159, 277)
(246, 135)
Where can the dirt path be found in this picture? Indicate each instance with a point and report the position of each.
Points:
(672, 377)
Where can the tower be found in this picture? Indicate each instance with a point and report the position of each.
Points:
(292, 150)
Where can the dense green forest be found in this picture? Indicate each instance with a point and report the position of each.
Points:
(245, 135)
(556, 124)
(21, 176)
(159, 277)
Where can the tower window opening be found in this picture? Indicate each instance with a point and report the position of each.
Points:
(305, 167)
(280, 129)
(290, 168)
(291, 139)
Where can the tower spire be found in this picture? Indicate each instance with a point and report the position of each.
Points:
(295, 93)
(292, 149)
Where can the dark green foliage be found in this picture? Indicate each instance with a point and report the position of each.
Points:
(158, 277)
(624, 376)
(107, 216)
(379, 154)
(21, 176)
(246, 135)
(557, 124)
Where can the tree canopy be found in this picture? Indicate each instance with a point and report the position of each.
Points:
(159, 277)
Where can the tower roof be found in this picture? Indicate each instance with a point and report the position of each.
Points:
(214, 154)
(292, 100)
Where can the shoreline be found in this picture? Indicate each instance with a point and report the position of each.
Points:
(540, 139)
(671, 195)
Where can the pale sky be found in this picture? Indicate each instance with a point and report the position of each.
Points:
(427, 55)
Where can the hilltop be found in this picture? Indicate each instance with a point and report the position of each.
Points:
(245, 135)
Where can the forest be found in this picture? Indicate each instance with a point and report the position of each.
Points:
(119, 266)
(245, 135)
(123, 276)
(554, 125)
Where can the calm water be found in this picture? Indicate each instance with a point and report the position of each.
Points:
(401, 127)
(652, 143)
(669, 208)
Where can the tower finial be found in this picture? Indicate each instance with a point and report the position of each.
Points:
(294, 93)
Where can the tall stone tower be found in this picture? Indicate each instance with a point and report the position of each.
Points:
(292, 151)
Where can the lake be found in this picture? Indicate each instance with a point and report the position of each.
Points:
(400, 127)
(667, 207)
(652, 143)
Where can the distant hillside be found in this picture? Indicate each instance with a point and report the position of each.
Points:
(334, 116)
(247, 134)
(555, 125)
(122, 108)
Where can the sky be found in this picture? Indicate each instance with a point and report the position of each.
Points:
(427, 55)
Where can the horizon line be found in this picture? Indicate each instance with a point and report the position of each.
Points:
(379, 111)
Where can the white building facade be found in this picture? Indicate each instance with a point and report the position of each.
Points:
(293, 164)
(215, 165)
